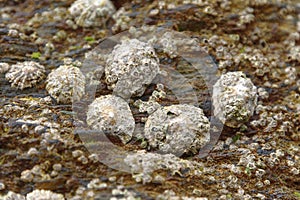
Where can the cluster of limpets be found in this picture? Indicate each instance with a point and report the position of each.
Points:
(130, 67)
(65, 84)
(178, 129)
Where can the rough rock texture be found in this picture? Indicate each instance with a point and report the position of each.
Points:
(234, 98)
(258, 37)
(111, 115)
(178, 129)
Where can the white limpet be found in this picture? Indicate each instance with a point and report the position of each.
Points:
(234, 99)
(25, 74)
(88, 13)
(66, 84)
(111, 115)
(130, 67)
(178, 129)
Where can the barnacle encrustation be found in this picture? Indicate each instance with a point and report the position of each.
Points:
(111, 115)
(131, 66)
(66, 84)
(178, 129)
(145, 165)
(234, 99)
(44, 194)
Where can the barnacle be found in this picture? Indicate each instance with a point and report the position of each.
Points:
(66, 84)
(4, 67)
(143, 165)
(130, 67)
(174, 43)
(44, 194)
(178, 129)
(25, 74)
(111, 115)
(13, 195)
(88, 13)
(234, 99)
